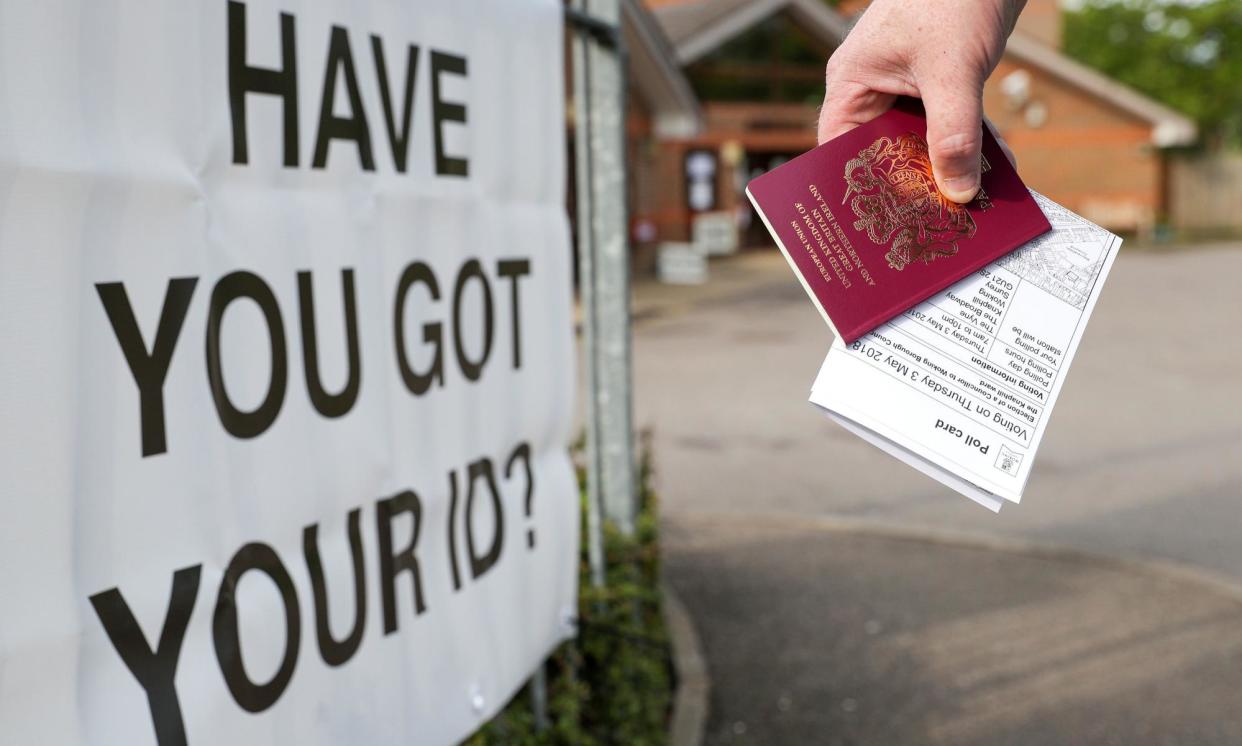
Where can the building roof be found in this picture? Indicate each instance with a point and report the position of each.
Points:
(657, 74)
(1169, 128)
(700, 26)
(697, 27)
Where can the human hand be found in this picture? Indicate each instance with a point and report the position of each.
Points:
(938, 50)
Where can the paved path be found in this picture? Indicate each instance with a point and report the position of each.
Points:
(826, 622)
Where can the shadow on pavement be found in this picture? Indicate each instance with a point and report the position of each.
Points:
(825, 637)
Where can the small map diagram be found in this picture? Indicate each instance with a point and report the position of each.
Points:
(1064, 262)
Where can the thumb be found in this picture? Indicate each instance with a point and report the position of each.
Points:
(955, 138)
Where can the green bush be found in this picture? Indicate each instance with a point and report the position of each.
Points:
(614, 683)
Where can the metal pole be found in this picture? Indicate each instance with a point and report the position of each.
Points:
(586, 283)
(539, 699)
(599, 87)
(603, 275)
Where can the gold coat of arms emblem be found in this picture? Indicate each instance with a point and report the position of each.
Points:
(893, 193)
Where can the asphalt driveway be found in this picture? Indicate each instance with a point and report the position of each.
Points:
(844, 598)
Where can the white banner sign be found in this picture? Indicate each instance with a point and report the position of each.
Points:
(286, 368)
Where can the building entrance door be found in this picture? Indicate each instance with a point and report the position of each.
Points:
(757, 164)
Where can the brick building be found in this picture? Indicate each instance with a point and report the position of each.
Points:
(755, 69)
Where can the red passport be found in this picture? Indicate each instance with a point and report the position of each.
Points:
(868, 233)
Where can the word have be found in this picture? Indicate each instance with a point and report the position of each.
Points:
(246, 79)
(155, 667)
(149, 364)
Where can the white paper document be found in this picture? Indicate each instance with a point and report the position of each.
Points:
(961, 387)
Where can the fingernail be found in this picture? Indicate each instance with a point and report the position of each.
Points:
(960, 188)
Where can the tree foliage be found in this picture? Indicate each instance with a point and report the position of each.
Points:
(1187, 54)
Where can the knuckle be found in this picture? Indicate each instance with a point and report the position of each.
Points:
(958, 146)
(832, 70)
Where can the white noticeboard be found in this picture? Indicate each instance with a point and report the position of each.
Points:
(716, 233)
(681, 264)
(287, 369)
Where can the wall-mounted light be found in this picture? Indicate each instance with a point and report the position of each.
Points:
(1017, 88)
(1035, 114)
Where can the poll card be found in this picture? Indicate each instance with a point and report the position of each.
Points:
(961, 387)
